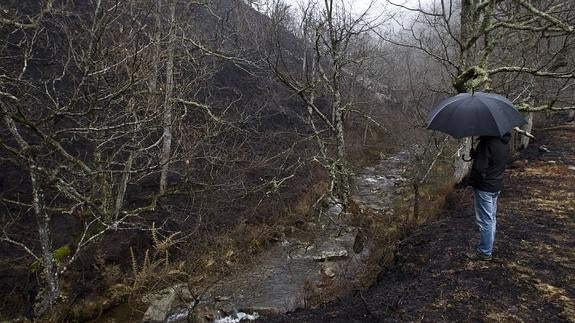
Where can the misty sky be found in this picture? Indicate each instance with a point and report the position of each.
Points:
(361, 5)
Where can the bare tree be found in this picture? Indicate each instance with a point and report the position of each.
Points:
(83, 131)
(478, 40)
(331, 35)
(90, 93)
(489, 44)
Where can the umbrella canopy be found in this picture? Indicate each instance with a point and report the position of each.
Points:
(477, 114)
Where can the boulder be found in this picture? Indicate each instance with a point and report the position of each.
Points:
(168, 305)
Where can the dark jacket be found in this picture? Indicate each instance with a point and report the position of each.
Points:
(490, 159)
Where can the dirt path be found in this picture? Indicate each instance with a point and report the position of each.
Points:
(532, 276)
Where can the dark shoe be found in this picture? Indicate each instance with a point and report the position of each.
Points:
(476, 255)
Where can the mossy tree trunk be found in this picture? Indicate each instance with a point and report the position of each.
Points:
(46, 258)
(49, 269)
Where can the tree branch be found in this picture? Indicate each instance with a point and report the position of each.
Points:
(546, 16)
(532, 71)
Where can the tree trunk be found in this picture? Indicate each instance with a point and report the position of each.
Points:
(461, 166)
(50, 295)
(121, 194)
(157, 49)
(342, 177)
(52, 291)
(341, 171)
(528, 127)
(168, 109)
(464, 34)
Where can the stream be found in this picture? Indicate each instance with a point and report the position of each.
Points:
(298, 271)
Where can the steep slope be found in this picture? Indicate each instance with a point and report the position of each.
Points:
(243, 156)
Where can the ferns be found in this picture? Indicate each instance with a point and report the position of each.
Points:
(155, 265)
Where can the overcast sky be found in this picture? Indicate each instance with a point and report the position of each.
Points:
(359, 6)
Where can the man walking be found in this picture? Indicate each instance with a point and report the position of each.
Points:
(486, 178)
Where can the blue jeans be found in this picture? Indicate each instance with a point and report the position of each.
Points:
(485, 217)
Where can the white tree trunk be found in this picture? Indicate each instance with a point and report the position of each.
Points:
(342, 178)
(168, 110)
(528, 127)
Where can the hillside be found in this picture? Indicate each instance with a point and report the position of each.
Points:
(89, 91)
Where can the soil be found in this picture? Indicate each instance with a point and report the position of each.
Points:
(531, 277)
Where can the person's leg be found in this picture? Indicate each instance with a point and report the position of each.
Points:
(485, 208)
(494, 196)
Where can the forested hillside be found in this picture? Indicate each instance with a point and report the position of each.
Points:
(145, 143)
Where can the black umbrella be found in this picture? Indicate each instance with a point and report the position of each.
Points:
(477, 114)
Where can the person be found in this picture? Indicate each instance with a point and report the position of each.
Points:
(489, 162)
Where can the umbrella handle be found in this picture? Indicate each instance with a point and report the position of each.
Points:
(471, 153)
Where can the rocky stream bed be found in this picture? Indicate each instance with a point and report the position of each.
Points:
(298, 271)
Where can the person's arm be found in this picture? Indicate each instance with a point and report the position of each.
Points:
(481, 161)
